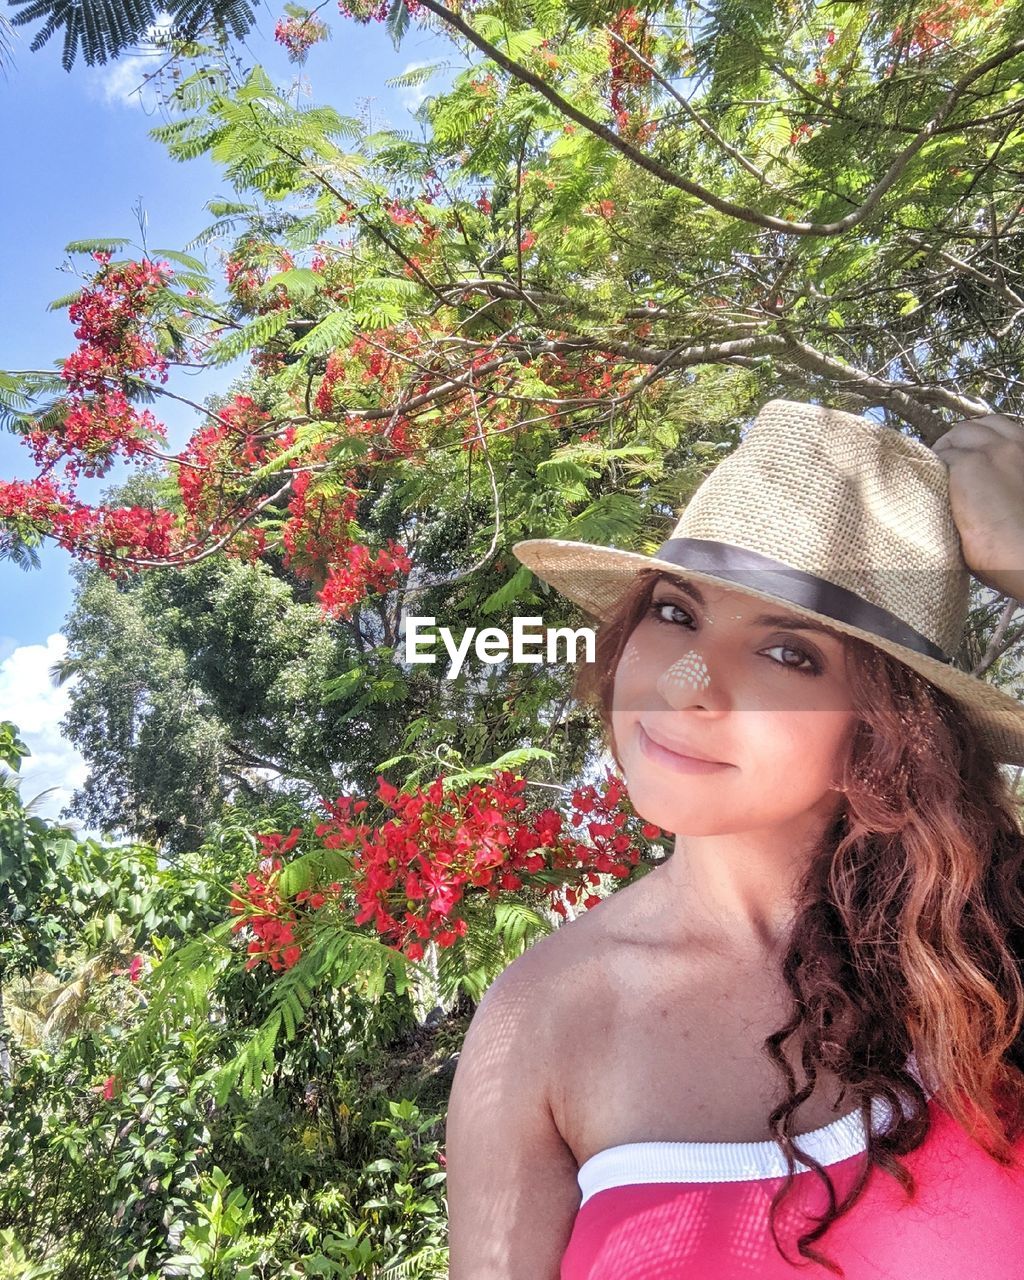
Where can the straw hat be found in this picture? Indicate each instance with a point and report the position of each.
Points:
(842, 520)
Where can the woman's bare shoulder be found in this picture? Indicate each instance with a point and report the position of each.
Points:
(576, 941)
(574, 964)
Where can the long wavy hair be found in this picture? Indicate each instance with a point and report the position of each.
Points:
(909, 929)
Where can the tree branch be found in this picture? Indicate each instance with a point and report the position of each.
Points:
(672, 179)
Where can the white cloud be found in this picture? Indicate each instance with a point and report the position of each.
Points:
(123, 81)
(123, 84)
(29, 697)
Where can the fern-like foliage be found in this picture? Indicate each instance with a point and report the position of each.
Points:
(102, 29)
(335, 957)
(14, 547)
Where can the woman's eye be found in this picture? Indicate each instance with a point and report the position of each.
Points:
(662, 611)
(811, 668)
(658, 608)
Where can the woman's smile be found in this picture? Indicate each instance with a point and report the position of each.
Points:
(662, 755)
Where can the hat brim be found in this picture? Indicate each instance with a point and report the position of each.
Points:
(596, 578)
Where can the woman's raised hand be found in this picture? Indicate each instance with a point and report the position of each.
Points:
(985, 460)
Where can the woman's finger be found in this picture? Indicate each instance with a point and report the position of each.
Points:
(981, 431)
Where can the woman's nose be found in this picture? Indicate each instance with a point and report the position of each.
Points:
(688, 675)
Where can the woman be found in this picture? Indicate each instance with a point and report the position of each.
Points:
(800, 1039)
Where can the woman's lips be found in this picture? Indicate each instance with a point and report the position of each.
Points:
(673, 760)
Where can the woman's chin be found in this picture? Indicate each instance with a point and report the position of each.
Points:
(676, 819)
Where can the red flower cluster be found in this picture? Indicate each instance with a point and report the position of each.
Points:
(100, 423)
(96, 430)
(404, 217)
(378, 367)
(484, 85)
(633, 126)
(373, 10)
(107, 319)
(360, 575)
(411, 872)
(319, 546)
(86, 532)
(324, 399)
(237, 439)
(137, 531)
(197, 468)
(262, 910)
(587, 375)
(401, 216)
(247, 271)
(316, 528)
(298, 35)
(244, 421)
(936, 26)
(243, 279)
(627, 75)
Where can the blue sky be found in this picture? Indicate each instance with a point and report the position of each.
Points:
(79, 158)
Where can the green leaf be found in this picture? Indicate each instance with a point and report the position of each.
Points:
(398, 22)
(335, 330)
(341, 688)
(183, 259)
(514, 589)
(300, 281)
(511, 760)
(557, 471)
(416, 76)
(253, 335)
(111, 244)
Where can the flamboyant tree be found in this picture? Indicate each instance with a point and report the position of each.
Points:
(621, 230)
(609, 208)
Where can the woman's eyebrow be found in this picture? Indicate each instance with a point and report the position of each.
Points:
(790, 621)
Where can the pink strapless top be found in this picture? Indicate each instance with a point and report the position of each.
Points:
(699, 1210)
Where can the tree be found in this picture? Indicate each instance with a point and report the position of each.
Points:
(222, 684)
(105, 29)
(755, 225)
(550, 315)
(106, 1171)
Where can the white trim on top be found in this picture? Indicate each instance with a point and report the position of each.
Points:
(632, 1163)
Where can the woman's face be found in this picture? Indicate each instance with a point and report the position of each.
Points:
(704, 672)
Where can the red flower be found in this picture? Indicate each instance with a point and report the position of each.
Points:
(298, 35)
